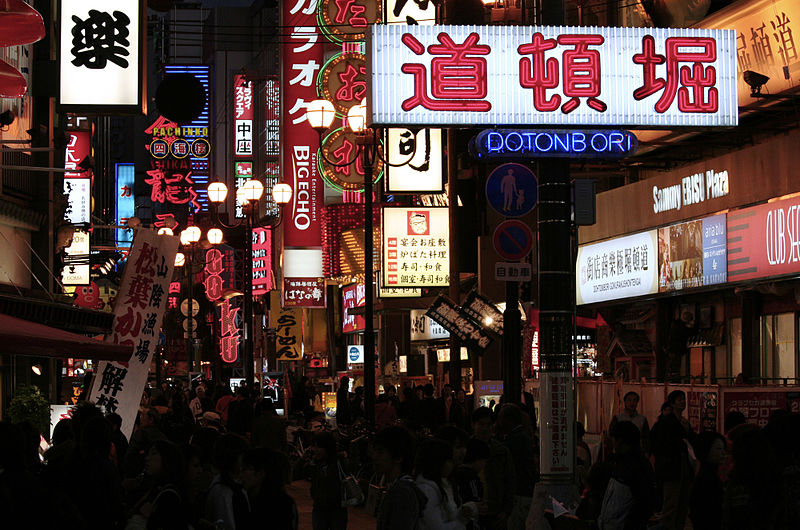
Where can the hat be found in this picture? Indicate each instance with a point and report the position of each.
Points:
(211, 419)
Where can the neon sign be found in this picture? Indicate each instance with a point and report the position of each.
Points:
(527, 143)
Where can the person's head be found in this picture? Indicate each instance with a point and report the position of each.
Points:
(434, 460)
(228, 451)
(95, 439)
(666, 409)
(390, 391)
(164, 461)
(254, 468)
(477, 454)
(393, 450)
(732, 419)
(344, 382)
(193, 459)
(324, 444)
(148, 417)
(265, 407)
(461, 396)
(200, 391)
(419, 391)
(625, 436)
(63, 432)
(359, 392)
(482, 423)
(447, 390)
(428, 390)
(631, 400)
(509, 418)
(709, 448)
(408, 393)
(382, 398)
(678, 400)
(457, 438)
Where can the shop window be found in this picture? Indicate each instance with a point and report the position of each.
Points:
(778, 353)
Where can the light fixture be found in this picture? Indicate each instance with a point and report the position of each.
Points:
(252, 190)
(755, 80)
(180, 259)
(165, 231)
(282, 193)
(357, 117)
(214, 236)
(217, 191)
(190, 235)
(320, 114)
(37, 369)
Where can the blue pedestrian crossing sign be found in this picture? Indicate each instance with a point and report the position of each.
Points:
(512, 190)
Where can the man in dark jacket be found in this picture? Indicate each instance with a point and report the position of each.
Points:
(403, 502)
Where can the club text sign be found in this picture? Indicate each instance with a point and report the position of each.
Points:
(465, 75)
(526, 143)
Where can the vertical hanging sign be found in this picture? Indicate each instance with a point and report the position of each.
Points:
(243, 115)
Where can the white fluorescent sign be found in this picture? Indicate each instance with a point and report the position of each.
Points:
(415, 161)
(79, 200)
(618, 268)
(100, 52)
(416, 247)
(540, 75)
(425, 328)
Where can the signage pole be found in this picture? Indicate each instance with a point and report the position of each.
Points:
(247, 351)
(190, 316)
(455, 283)
(369, 294)
(512, 347)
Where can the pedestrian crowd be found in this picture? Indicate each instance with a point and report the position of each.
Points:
(207, 457)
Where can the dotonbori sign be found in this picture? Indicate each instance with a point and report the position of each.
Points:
(527, 143)
(466, 75)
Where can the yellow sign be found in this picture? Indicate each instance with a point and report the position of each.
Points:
(288, 324)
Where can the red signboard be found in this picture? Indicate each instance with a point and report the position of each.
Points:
(353, 296)
(304, 292)
(242, 98)
(262, 260)
(302, 59)
(764, 240)
(78, 148)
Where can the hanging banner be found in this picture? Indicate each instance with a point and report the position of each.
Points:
(483, 311)
(288, 323)
(138, 313)
(537, 75)
(262, 260)
(453, 319)
(243, 115)
(416, 247)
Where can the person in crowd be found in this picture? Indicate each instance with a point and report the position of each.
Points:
(326, 484)
(301, 399)
(98, 478)
(146, 432)
(240, 412)
(226, 501)
(268, 430)
(118, 439)
(178, 422)
(403, 503)
(457, 438)
(705, 497)
(385, 413)
(391, 395)
(630, 497)
(343, 402)
(498, 473)
(357, 405)
(434, 465)
(466, 407)
(467, 478)
(196, 481)
(196, 403)
(430, 410)
(678, 400)
(733, 419)
(211, 420)
(670, 448)
(161, 507)
(409, 408)
(523, 455)
(631, 413)
(270, 506)
(453, 411)
(584, 454)
(62, 442)
(223, 402)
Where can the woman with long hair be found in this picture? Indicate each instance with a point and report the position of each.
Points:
(433, 469)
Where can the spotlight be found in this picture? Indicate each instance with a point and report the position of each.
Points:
(37, 369)
(6, 118)
(756, 81)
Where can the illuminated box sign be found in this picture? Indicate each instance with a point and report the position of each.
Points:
(304, 292)
(76, 269)
(79, 199)
(425, 328)
(125, 175)
(443, 354)
(353, 296)
(101, 54)
(242, 172)
(262, 260)
(767, 241)
(416, 247)
(78, 147)
(529, 143)
(575, 76)
(415, 161)
(355, 354)
(272, 119)
(692, 254)
(618, 268)
(242, 116)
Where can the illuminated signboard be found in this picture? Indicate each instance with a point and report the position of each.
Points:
(229, 332)
(242, 116)
(692, 189)
(523, 75)
(304, 292)
(272, 118)
(76, 260)
(425, 328)
(242, 172)
(443, 354)
(262, 260)
(415, 249)
(101, 54)
(79, 200)
(77, 149)
(349, 20)
(405, 12)
(352, 297)
(527, 143)
(692, 254)
(415, 161)
(125, 175)
(618, 268)
(355, 354)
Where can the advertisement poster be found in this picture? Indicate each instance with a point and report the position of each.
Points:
(755, 405)
(692, 254)
(766, 242)
(416, 247)
(274, 390)
(618, 268)
(353, 297)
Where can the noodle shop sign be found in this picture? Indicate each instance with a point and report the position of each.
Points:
(540, 75)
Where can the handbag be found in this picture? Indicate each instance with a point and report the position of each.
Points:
(351, 491)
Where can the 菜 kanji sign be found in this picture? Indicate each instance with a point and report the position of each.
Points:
(462, 75)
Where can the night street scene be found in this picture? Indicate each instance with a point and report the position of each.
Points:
(399, 265)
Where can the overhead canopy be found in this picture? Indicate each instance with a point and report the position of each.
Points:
(23, 337)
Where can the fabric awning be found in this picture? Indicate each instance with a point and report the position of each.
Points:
(23, 337)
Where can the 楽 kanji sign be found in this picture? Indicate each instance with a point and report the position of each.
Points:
(100, 64)
(138, 312)
(465, 75)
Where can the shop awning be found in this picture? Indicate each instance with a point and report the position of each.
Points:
(23, 337)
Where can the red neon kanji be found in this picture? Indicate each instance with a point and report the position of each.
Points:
(343, 154)
(581, 68)
(460, 76)
(352, 88)
(357, 20)
(538, 74)
(695, 79)
(175, 189)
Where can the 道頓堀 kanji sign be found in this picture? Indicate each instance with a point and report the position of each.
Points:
(463, 75)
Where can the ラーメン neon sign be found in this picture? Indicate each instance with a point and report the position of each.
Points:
(527, 143)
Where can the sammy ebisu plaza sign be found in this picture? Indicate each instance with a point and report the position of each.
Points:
(552, 76)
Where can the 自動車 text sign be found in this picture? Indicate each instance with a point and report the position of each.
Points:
(543, 75)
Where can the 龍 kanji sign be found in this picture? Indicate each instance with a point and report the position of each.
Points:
(465, 75)
(138, 312)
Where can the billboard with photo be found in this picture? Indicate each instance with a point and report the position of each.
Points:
(692, 254)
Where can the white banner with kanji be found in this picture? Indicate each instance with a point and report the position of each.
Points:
(138, 313)
(546, 75)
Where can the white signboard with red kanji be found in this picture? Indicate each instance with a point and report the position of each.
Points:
(138, 313)
(540, 75)
(416, 247)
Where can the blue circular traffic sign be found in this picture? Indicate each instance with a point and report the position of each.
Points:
(512, 190)
(513, 240)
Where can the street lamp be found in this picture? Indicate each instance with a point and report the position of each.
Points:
(189, 237)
